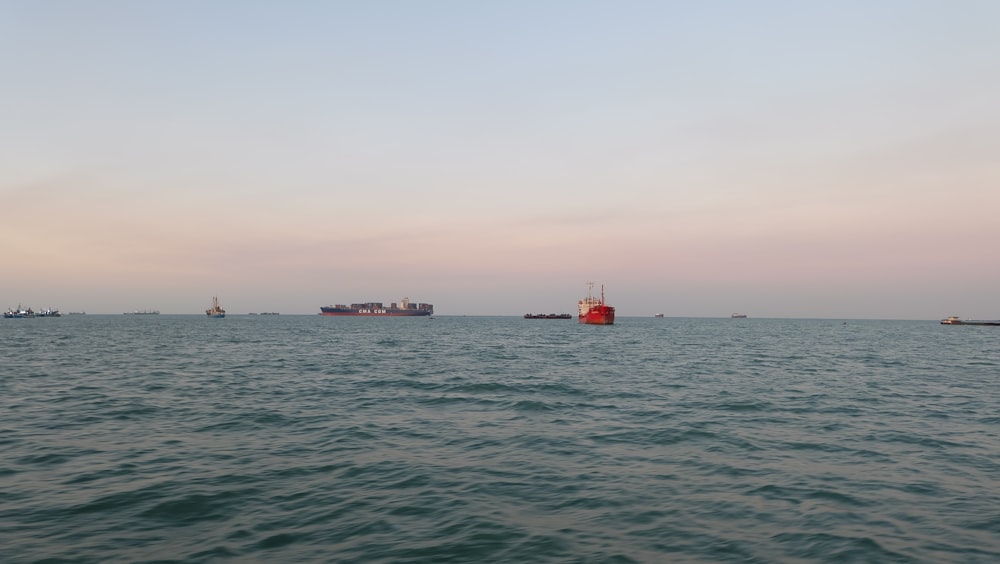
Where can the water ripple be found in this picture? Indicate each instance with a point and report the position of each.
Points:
(174, 439)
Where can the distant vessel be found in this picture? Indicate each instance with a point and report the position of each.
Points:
(377, 309)
(77, 313)
(739, 316)
(593, 310)
(548, 316)
(216, 311)
(19, 313)
(48, 312)
(955, 320)
(143, 312)
(658, 315)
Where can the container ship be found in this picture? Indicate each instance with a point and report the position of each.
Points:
(377, 309)
(955, 320)
(594, 311)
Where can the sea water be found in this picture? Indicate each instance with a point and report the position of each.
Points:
(497, 439)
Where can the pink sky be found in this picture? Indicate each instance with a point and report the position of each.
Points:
(490, 166)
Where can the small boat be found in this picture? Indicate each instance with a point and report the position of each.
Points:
(593, 310)
(48, 312)
(955, 320)
(19, 313)
(658, 315)
(548, 316)
(216, 311)
(738, 316)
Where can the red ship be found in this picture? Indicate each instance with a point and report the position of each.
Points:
(594, 311)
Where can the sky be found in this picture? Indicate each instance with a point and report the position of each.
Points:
(775, 158)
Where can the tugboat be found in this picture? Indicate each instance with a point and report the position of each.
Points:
(216, 311)
(594, 311)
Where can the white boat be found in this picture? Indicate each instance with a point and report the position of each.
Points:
(216, 311)
(19, 313)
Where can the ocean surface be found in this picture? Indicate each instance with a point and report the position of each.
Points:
(176, 438)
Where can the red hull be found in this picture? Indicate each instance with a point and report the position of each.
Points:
(599, 315)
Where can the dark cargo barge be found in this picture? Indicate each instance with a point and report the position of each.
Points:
(548, 316)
